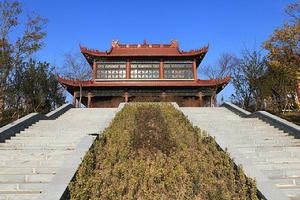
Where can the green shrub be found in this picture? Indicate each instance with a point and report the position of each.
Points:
(151, 151)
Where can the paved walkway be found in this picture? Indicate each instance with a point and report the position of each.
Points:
(269, 154)
(31, 159)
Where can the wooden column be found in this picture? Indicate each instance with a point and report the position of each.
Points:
(211, 101)
(195, 70)
(200, 96)
(215, 99)
(161, 69)
(89, 99)
(94, 70)
(78, 104)
(74, 99)
(126, 97)
(128, 69)
(163, 96)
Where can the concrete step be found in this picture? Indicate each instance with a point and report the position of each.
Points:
(53, 134)
(64, 137)
(49, 145)
(21, 188)
(31, 163)
(270, 150)
(27, 170)
(282, 174)
(35, 148)
(291, 191)
(19, 196)
(42, 142)
(27, 178)
(32, 157)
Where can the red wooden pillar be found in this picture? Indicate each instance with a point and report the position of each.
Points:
(161, 69)
(211, 101)
(128, 69)
(126, 97)
(94, 70)
(74, 99)
(78, 104)
(215, 99)
(89, 99)
(163, 96)
(195, 70)
(200, 96)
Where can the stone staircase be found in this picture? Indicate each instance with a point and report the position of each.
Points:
(29, 160)
(263, 150)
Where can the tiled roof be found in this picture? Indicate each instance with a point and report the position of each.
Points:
(134, 83)
(145, 49)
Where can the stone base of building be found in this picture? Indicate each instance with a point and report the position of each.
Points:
(113, 102)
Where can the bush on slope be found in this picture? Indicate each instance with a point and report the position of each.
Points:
(151, 151)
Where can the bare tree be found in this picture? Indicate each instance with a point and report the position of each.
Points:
(76, 68)
(247, 79)
(293, 11)
(15, 51)
(220, 71)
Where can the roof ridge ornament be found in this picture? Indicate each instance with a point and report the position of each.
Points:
(115, 43)
(174, 43)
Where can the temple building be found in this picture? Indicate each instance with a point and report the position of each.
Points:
(144, 72)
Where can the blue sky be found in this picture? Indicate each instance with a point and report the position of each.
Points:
(226, 25)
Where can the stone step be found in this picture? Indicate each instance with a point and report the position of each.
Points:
(241, 128)
(31, 163)
(262, 137)
(268, 154)
(267, 145)
(20, 157)
(42, 142)
(21, 188)
(30, 159)
(33, 151)
(291, 149)
(19, 196)
(31, 178)
(291, 191)
(49, 145)
(272, 151)
(27, 170)
(64, 137)
(278, 166)
(282, 174)
(35, 148)
(53, 134)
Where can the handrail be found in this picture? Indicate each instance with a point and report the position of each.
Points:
(274, 120)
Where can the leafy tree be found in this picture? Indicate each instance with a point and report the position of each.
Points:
(77, 68)
(33, 87)
(15, 51)
(283, 58)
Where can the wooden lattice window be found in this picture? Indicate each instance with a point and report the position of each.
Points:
(111, 70)
(144, 70)
(178, 70)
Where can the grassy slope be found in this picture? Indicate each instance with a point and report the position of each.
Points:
(293, 117)
(153, 152)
